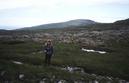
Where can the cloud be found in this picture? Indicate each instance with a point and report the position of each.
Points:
(8, 4)
(34, 12)
(52, 3)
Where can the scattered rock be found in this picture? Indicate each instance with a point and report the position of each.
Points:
(40, 52)
(122, 81)
(2, 73)
(21, 76)
(96, 81)
(78, 81)
(43, 80)
(34, 53)
(62, 81)
(73, 69)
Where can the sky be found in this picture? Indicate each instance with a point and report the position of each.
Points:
(25, 13)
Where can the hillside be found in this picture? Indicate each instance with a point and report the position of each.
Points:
(123, 22)
(71, 23)
(94, 34)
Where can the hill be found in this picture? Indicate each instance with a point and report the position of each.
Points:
(122, 22)
(71, 23)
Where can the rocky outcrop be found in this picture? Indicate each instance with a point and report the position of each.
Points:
(84, 37)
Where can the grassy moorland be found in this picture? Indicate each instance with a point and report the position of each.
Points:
(113, 63)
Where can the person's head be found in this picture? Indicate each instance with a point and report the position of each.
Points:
(49, 42)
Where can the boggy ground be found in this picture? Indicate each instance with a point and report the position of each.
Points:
(24, 62)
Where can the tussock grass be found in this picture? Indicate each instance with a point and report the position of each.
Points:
(111, 64)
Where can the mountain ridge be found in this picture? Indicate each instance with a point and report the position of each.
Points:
(71, 23)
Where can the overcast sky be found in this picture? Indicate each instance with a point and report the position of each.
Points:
(23, 13)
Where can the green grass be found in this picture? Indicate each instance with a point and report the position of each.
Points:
(115, 63)
(112, 64)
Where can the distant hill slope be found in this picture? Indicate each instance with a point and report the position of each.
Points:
(123, 22)
(117, 25)
(71, 23)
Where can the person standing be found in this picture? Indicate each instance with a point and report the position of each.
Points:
(48, 49)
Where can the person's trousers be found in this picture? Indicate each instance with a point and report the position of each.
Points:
(48, 59)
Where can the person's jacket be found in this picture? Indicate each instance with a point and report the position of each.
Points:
(48, 50)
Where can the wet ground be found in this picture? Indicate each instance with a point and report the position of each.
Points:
(71, 69)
